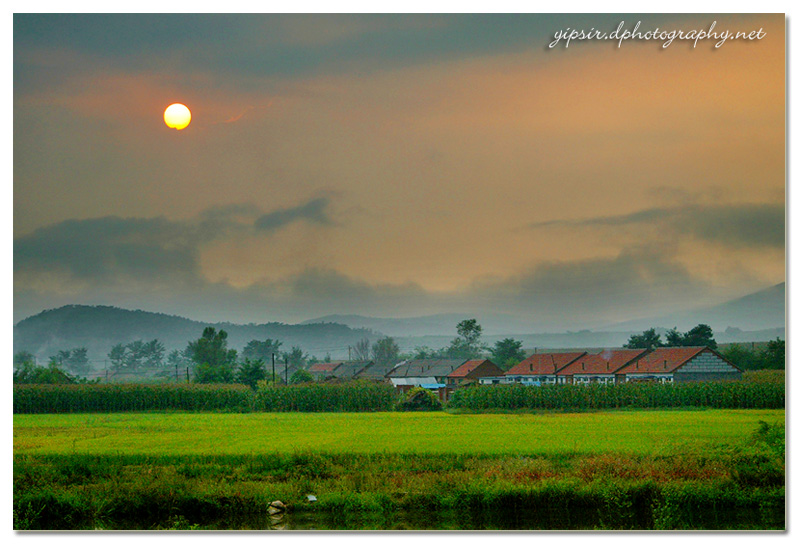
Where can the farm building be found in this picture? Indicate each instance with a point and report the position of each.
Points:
(541, 369)
(337, 369)
(350, 370)
(322, 371)
(429, 374)
(598, 368)
(680, 365)
(471, 371)
(376, 372)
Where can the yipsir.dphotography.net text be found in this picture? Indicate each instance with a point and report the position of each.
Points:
(666, 37)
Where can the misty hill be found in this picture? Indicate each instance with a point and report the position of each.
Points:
(98, 328)
(765, 309)
(436, 324)
(759, 313)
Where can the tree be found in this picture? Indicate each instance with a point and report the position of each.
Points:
(467, 345)
(296, 357)
(700, 335)
(385, 351)
(361, 350)
(648, 340)
(179, 358)
(213, 360)
(261, 350)
(153, 354)
(30, 373)
(23, 357)
(507, 351)
(117, 356)
(78, 361)
(301, 376)
(250, 372)
(674, 338)
(774, 355)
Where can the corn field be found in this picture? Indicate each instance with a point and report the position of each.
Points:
(88, 398)
(720, 395)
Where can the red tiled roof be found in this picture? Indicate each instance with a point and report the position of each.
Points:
(663, 360)
(468, 367)
(544, 364)
(324, 367)
(605, 362)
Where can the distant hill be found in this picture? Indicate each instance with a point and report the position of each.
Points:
(98, 328)
(757, 312)
(765, 309)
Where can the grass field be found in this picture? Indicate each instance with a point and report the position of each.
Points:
(632, 469)
(630, 432)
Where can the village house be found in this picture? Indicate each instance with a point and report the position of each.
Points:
(541, 369)
(376, 372)
(680, 364)
(428, 374)
(338, 369)
(599, 368)
(471, 372)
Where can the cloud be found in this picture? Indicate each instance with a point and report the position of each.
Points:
(741, 225)
(114, 250)
(314, 211)
(110, 250)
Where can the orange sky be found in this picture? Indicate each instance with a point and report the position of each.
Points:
(454, 171)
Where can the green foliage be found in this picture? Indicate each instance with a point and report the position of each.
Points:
(507, 353)
(22, 358)
(385, 351)
(752, 357)
(92, 398)
(213, 360)
(730, 395)
(420, 399)
(137, 354)
(250, 372)
(301, 376)
(75, 360)
(467, 345)
(295, 358)
(648, 340)
(261, 350)
(30, 373)
(700, 335)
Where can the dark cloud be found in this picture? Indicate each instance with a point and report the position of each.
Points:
(314, 211)
(110, 250)
(637, 282)
(114, 250)
(742, 225)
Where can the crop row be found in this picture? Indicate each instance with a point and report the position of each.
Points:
(720, 395)
(82, 398)
(364, 396)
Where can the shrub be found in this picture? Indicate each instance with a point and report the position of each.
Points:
(420, 399)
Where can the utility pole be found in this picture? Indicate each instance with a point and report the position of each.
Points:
(286, 370)
(187, 375)
(273, 368)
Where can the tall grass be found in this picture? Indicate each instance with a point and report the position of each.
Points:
(88, 398)
(720, 395)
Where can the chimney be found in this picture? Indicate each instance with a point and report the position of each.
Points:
(583, 365)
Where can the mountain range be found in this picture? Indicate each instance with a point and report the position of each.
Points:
(756, 317)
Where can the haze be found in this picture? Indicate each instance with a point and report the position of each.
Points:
(394, 166)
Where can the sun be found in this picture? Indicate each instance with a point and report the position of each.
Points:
(177, 116)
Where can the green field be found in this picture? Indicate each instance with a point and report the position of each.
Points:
(630, 432)
(629, 469)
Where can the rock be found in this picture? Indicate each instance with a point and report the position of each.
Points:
(311, 498)
(276, 507)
